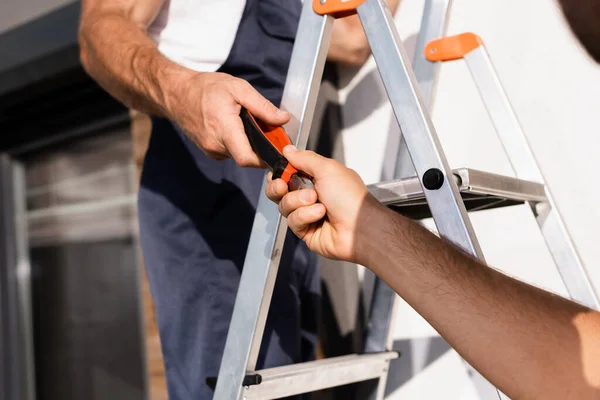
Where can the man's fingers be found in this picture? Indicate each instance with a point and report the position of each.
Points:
(237, 144)
(307, 161)
(301, 219)
(260, 107)
(276, 189)
(294, 200)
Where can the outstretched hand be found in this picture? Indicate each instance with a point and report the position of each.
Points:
(208, 107)
(327, 218)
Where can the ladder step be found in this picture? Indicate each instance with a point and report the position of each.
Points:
(316, 375)
(479, 190)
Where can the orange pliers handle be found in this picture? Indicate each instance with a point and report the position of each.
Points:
(268, 143)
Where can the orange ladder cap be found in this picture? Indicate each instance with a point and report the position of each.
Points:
(336, 8)
(452, 47)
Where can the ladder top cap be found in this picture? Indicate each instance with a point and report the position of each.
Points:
(452, 47)
(336, 8)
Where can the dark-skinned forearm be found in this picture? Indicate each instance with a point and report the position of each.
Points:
(126, 63)
(528, 342)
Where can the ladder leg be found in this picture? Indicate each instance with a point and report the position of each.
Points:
(269, 229)
(442, 194)
(433, 26)
(432, 168)
(379, 332)
(382, 381)
(381, 317)
(517, 148)
(564, 253)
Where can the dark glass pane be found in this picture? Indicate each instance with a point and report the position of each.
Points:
(82, 223)
(87, 322)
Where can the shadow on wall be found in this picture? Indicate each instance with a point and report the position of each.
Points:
(366, 97)
(368, 94)
(416, 355)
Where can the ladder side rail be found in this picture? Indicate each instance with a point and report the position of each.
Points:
(379, 335)
(269, 228)
(434, 24)
(381, 318)
(447, 207)
(522, 159)
(444, 199)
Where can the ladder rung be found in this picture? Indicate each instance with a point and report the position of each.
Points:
(480, 191)
(316, 375)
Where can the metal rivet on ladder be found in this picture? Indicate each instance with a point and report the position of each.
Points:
(323, 1)
(433, 179)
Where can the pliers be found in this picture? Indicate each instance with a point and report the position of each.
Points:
(268, 143)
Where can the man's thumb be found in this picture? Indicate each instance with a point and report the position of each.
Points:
(264, 110)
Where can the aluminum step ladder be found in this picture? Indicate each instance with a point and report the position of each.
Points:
(435, 191)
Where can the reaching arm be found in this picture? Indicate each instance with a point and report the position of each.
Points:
(529, 343)
(117, 52)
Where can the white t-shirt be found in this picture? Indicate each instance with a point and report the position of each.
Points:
(197, 34)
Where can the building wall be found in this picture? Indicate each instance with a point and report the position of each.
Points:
(17, 12)
(553, 85)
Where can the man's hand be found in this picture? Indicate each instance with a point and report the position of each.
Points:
(207, 108)
(330, 226)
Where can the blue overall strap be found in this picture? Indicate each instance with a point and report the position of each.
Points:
(263, 45)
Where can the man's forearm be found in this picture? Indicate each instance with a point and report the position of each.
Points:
(528, 342)
(117, 52)
(119, 55)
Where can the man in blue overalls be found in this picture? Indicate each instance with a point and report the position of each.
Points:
(192, 65)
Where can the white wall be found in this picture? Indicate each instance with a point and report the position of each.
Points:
(553, 87)
(16, 12)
